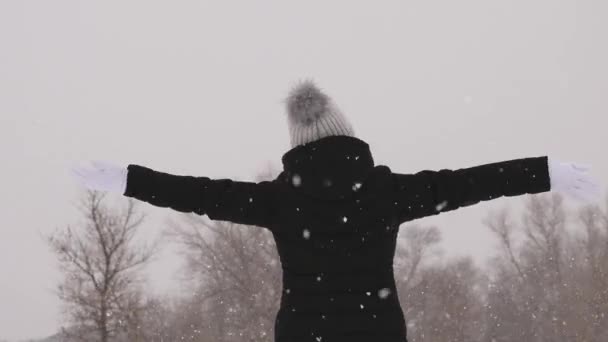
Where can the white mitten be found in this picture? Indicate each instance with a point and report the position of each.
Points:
(573, 179)
(102, 176)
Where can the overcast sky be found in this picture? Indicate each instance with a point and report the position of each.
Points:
(196, 87)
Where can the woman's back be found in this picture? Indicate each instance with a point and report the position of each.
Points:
(336, 232)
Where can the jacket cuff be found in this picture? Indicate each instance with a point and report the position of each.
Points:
(135, 179)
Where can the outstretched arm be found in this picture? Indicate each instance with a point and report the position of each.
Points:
(432, 192)
(220, 199)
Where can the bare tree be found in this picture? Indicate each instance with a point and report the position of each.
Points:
(235, 276)
(416, 245)
(442, 302)
(101, 264)
(525, 301)
(450, 305)
(591, 264)
(552, 284)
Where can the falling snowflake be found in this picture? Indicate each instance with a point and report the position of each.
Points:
(356, 186)
(306, 234)
(344, 219)
(296, 180)
(362, 306)
(441, 205)
(384, 293)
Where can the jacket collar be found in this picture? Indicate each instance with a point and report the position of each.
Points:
(333, 167)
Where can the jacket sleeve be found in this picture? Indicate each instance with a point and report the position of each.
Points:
(432, 192)
(220, 199)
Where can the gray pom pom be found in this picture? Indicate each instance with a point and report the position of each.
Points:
(306, 103)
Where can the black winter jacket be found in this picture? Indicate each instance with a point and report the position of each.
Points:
(335, 217)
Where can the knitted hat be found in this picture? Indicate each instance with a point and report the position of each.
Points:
(312, 115)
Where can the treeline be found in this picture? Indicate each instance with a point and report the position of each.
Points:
(548, 280)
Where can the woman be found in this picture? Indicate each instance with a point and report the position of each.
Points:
(335, 216)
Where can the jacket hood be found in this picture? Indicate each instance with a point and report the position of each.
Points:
(333, 167)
